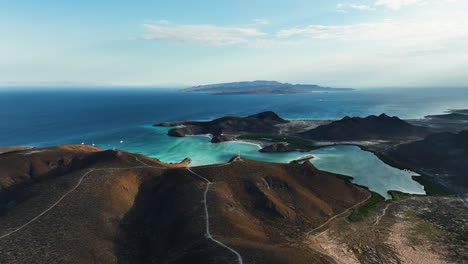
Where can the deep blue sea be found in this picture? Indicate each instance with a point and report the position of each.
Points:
(48, 117)
(106, 117)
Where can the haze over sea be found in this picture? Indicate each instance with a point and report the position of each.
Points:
(46, 117)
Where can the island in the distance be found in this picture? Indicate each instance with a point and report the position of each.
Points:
(260, 87)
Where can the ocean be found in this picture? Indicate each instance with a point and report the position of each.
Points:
(106, 117)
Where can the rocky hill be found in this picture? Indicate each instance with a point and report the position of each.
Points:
(80, 204)
(441, 153)
(264, 122)
(13, 148)
(260, 87)
(382, 127)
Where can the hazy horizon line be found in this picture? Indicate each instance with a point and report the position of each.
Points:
(81, 85)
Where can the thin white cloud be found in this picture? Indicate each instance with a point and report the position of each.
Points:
(271, 42)
(398, 4)
(261, 21)
(342, 7)
(412, 33)
(361, 7)
(424, 33)
(208, 35)
(161, 22)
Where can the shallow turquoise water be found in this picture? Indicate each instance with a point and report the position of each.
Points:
(365, 167)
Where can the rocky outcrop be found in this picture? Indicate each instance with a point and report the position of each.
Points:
(279, 147)
(264, 122)
(186, 131)
(220, 139)
(382, 127)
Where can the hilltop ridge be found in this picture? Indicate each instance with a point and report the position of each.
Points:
(264, 122)
(367, 128)
(82, 204)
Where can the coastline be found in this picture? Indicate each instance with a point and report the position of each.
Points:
(303, 158)
(210, 136)
(260, 146)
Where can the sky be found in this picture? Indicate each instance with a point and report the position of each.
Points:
(345, 43)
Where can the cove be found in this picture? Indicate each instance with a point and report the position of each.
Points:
(365, 167)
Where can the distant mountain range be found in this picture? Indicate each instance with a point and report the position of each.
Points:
(260, 87)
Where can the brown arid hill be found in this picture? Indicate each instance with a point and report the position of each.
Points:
(13, 148)
(264, 122)
(444, 154)
(79, 204)
(382, 127)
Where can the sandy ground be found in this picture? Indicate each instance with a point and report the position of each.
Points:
(388, 236)
(408, 252)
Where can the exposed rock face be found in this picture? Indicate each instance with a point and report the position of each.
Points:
(220, 139)
(260, 123)
(369, 128)
(280, 147)
(89, 205)
(441, 152)
(186, 131)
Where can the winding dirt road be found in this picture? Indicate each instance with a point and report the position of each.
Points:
(207, 215)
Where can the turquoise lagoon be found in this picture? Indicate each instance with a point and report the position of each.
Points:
(366, 168)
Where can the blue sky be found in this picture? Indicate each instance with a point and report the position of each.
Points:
(347, 43)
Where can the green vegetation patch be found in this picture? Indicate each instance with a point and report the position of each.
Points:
(375, 203)
(420, 228)
(432, 188)
(294, 142)
(397, 195)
